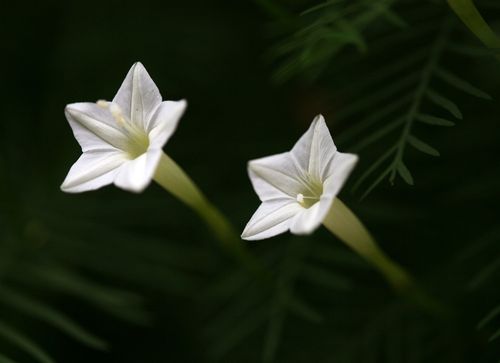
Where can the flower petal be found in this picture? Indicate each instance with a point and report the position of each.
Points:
(94, 127)
(93, 170)
(135, 175)
(338, 171)
(138, 96)
(310, 219)
(276, 176)
(315, 149)
(164, 122)
(270, 219)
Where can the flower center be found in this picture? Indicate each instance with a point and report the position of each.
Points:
(307, 201)
(137, 139)
(310, 196)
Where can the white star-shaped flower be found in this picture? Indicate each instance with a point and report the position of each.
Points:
(297, 188)
(121, 140)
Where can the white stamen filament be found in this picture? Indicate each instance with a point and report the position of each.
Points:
(117, 113)
(139, 141)
(301, 197)
(306, 201)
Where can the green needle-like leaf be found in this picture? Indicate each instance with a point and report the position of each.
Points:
(434, 121)
(422, 146)
(24, 343)
(377, 181)
(374, 166)
(461, 84)
(405, 173)
(36, 309)
(445, 103)
(488, 318)
(381, 132)
(495, 336)
(4, 359)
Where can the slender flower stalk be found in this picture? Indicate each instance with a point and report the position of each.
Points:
(122, 144)
(344, 224)
(298, 191)
(174, 180)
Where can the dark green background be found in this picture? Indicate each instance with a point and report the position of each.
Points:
(215, 54)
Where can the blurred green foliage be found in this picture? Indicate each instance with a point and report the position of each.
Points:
(116, 277)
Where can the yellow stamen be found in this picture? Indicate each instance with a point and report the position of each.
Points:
(300, 198)
(102, 103)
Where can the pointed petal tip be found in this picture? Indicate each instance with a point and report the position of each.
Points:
(64, 188)
(303, 232)
(244, 236)
(68, 188)
(79, 107)
(319, 119)
(249, 234)
(72, 111)
(354, 157)
(182, 104)
(251, 164)
(138, 68)
(138, 64)
(72, 188)
(248, 237)
(135, 189)
(70, 191)
(69, 108)
(136, 175)
(132, 188)
(265, 160)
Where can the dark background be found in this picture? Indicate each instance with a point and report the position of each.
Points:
(143, 273)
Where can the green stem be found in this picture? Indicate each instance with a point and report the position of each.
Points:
(468, 13)
(344, 224)
(173, 179)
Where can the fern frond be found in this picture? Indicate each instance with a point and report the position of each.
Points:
(331, 26)
(122, 304)
(244, 307)
(397, 164)
(25, 344)
(489, 318)
(38, 310)
(23, 275)
(391, 163)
